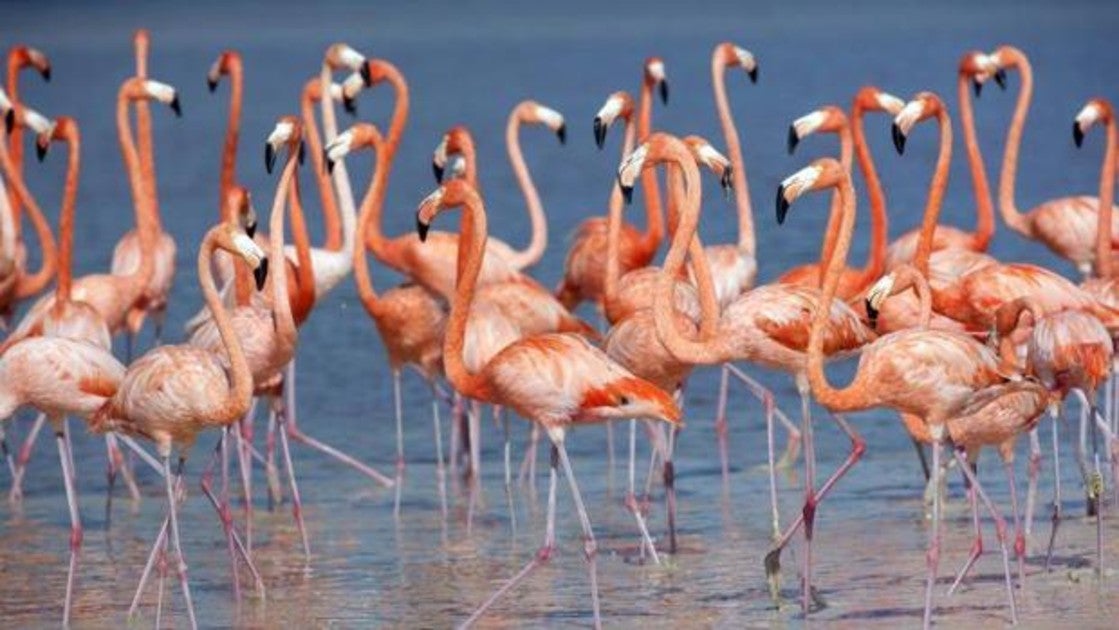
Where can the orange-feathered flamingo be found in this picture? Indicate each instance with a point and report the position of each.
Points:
(585, 259)
(556, 380)
(927, 373)
(1067, 226)
(19, 58)
(975, 69)
(128, 251)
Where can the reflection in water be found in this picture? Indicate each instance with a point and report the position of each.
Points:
(423, 571)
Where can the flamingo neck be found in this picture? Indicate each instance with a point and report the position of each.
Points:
(373, 202)
(340, 176)
(984, 210)
(936, 194)
(850, 397)
(531, 254)
(304, 296)
(1106, 198)
(232, 133)
(876, 258)
(236, 400)
(374, 235)
(66, 221)
(614, 226)
(281, 298)
(707, 349)
(332, 223)
(145, 228)
(831, 232)
(29, 284)
(1010, 214)
(654, 218)
(746, 239)
(473, 233)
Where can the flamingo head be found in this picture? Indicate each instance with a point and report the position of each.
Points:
(239, 205)
(655, 77)
(287, 132)
(28, 57)
(629, 397)
(533, 112)
(980, 68)
(7, 111)
(456, 142)
(61, 129)
(924, 106)
(136, 88)
(828, 118)
(736, 56)
(359, 136)
(1096, 110)
(231, 237)
(618, 105)
(822, 174)
(707, 156)
(227, 63)
(870, 98)
(341, 56)
(451, 194)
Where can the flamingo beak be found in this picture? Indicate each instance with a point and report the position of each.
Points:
(976, 87)
(212, 83)
(350, 105)
(269, 158)
(782, 205)
(627, 191)
(1077, 134)
(250, 229)
(176, 107)
(9, 121)
(561, 133)
(327, 162)
(302, 154)
(40, 151)
(727, 182)
(599, 132)
(753, 74)
(366, 76)
(437, 171)
(793, 140)
(260, 274)
(871, 315)
(664, 92)
(46, 72)
(899, 139)
(421, 228)
(1000, 78)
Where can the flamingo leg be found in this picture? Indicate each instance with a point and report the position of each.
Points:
(527, 473)
(1019, 534)
(932, 556)
(244, 439)
(631, 499)
(1000, 530)
(610, 455)
(590, 548)
(1082, 460)
(20, 466)
(809, 509)
(977, 543)
(1033, 469)
(767, 403)
(474, 435)
(760, 391)
(440, 469)
(292, 430)
(296, 502)
(542, 555)
(172, 501)
(920, 448)
(237, 544)
(721, 422)
(503, 419)
(64, 458)
(224, 513)
(1056, 519)
(275, 493)
(124, 466)
(670, 489)
(398, 408)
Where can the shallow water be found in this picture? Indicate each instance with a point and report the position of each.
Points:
(470, 63)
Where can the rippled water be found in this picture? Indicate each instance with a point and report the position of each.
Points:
(471, 63)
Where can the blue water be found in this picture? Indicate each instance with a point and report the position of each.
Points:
(470, 63)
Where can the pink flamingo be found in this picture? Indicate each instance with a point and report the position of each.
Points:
(556, 380)
(1067, 226)
(584, 262)
(927, 373)
(19, 58)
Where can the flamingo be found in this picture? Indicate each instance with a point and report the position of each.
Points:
(174, 392)
(410, 320)
(1067, 226)
(584, 262)
(459, 141)
(928, 373)
(972, 297)
(765, 325)
(20, 57)
(18, 283)
(555, 380)
(975, 68)
(128, 251)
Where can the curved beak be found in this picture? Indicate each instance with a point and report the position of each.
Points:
(250, 229)
(421, 228)
(1077, 134)
(269, 158)
(561, 133)
(327, 162)
(976, 87)
(627, 191)
(9, 121)
(437, 171)
(664, 92)
(176, 107)
(753, 74)
(350, 105)
(793, 139)
(599, 132)
(782, 205)
(727, 182)
(46, 73)
(1000, 78)
(41, 151)
(871, 314)
(211, 83)
(260, 274)
(899, 138)
(366, 76)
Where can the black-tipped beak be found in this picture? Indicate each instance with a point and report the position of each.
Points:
(1000, 78)
(753, 74)
(302, 154)
(599, 132)
(437, 171)
(40, 151)
(899, 139)
(250, 229)
(1077, 135)
(421, 228)
(328, 163)
(350, 105)
(727, 182)
(976, 87)
(46, 72)
(664, 92)
(269, 158)
(793, 140)
(561, 133)
(176, 107)
(871, 315)
(212, 84)
(9, 121)
(627, 191)
(366, 76)
(782, 205)
(260, 274)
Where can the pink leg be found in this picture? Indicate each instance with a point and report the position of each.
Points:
(398, 408)
(1033, 470)
(541, 557)
(296, 503)
(275, 493)
(75, 518)
(224, 512)
(631, 499)
(767, 403)
(590, 548)
(760, 392)
(237, 544)
(1019, 534)
(20, 466)
(301, 437)
(773, 558)
(977, 544)
(1056, 518)
(932, 556)
(173, 508)
(440, 468)
(721, 422)
(244, 439)
(1000, 530)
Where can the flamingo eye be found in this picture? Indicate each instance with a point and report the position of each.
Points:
(623, 400)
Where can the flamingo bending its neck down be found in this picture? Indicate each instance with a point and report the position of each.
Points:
(930, 374)
(19, 58)
(1067, 226)
(555, 380)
